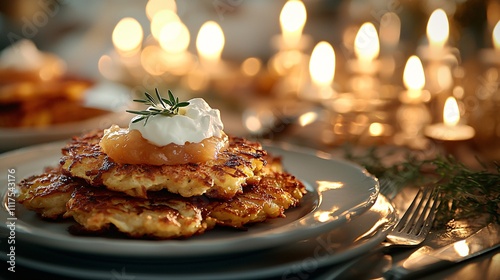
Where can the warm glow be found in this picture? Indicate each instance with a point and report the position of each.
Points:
(376, 129)
(150, 60)
(155, 6)
(324, 186)
(444, 77)
(496, 36)
(105, 66)
(451, 114)
(293, 17)
(307, 118)
(462, 248)
(323, 216)
(174, 37)
(322, 64)
(283, 62)
(197, 80)
(413, 75)
(366, 43)
(160, 20)
(127, 35)
(210, 41)
(253, 124)
(438, 28)
(251, 66)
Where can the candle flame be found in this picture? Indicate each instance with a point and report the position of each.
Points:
(155, 6)
(451, 113)
(366, 43)
(127, 36)
(293, 17)
(174, 37)
(210, 41)
(413, 75)
(496, 36)
(160, 20)
(322, 64)
(438, 28)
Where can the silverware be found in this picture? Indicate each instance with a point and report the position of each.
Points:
(409, 232)
(483, 241)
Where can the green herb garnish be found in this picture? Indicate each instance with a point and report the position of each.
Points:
(159, 106)
(467, 192)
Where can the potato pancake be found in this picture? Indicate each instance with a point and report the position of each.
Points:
(48, 193)
(162, 215)
(221, 178)
(168, 216)
(265, 198)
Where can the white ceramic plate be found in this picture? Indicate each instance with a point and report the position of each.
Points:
(297, 260)
(105, 95)
(338, 192)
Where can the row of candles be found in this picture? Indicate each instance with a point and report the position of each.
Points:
(165, 54)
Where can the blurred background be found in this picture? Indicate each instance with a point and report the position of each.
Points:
(416, 74)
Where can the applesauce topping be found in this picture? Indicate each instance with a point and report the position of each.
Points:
(169, 132)
(129, 147)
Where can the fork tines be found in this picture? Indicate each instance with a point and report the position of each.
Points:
(420, 214)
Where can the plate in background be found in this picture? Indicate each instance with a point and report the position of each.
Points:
(105, 95)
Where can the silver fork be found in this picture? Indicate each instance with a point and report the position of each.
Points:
(409, 232)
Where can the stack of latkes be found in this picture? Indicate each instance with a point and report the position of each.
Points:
(40, 104)
(244, 185)
(35, 90)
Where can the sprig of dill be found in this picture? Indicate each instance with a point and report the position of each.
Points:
(468, 192)
(159, 106)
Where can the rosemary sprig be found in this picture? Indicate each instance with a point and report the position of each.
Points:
(159, 106)
(469, 193)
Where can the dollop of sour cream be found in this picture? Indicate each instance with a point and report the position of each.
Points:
(25, 56)
(195, 122)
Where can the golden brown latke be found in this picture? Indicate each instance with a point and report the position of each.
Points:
(163, 214)
(168, 216)
(265, 198)
(221, 178)
(48, 193)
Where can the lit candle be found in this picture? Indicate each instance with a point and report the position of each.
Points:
(209, 44)
(438, 31)
(322, 72)
(291, 41)
(450, 129)
(412, 116)
(492, 56)
(217, 74)
(414, 81)
(127, 37)
(366, 49)
(293, 18)
(174, 40)
(124, 63)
